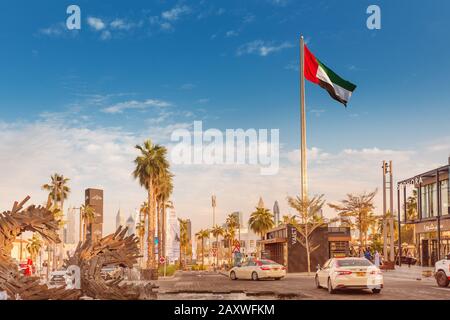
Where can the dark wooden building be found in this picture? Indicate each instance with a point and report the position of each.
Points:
(282, 246)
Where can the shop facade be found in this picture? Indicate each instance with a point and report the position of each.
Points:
(282, 245)
(430, 195)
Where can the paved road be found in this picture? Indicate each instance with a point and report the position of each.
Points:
(209, 285)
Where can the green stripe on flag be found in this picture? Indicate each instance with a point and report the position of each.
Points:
(336, 79)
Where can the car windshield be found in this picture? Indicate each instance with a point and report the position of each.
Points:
(266, 262)
(353, 263)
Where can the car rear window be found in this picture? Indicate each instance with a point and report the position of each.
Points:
(266, 262)
(353, 263)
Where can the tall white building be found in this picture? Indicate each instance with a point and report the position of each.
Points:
(70, 227)
(173, 237)
(131, 225)
(120, 220)
(276, 213)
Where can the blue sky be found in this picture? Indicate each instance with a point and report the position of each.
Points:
(232, 64)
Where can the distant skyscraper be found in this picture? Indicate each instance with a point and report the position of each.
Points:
(261, 203)
(276, 213)
(189, 229)
(240, 218)
(120, 221)
(94, 198)
(131, 225)
(173, 237)
(70, 232)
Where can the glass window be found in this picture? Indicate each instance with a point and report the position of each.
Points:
(429, 201)
(353, 263)
(252, 243)
(266, 262)
(326, 264)
(423, 195)
(445, 197)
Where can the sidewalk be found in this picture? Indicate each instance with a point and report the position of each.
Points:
(412, 273)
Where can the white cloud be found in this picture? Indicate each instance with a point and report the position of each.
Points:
(203, 100)
(52, 31)
(106, 35)
(134, 104)
(96, 23)
(187, 86)
(262, 48)
(231, 33)
(121, 24)
(103, 157)
(176, 12)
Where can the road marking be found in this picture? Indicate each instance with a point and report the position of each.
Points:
(444, 289)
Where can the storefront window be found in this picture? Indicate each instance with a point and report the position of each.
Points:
(429, 200)
(445, 197)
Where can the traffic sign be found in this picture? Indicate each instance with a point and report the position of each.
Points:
(162, 260)
(237, 246)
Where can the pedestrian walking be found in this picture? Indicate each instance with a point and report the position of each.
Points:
(377, 259)
(409, 259)
(367, 255)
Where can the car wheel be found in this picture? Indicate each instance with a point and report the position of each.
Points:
(330, 287)
(233, 275)
(316, 280)
(255, 276)
(376, 291)
(442, 279)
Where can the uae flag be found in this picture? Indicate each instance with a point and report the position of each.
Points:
(318, 73)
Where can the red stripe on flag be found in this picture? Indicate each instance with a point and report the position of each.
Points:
(311, 66)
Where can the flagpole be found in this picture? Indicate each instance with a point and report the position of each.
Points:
(304, 177)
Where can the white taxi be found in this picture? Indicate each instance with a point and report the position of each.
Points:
(258, 269)
(340, 273)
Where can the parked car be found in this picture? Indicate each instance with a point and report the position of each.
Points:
(405, 259)
(340, 273)
(442, 272)
(258, 269)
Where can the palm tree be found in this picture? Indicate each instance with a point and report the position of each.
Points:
(140, 231)
(184, 240)
(149, 165)
(232, 223)
(357, 212)
(288, 219)
(228, 236)
(309, 220)
(260, 222)
(34, 246)
(216, 232)
(164, 189)
(58, 191)
(88, 216)
(201, 235)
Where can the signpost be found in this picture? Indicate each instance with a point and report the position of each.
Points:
(163, 260)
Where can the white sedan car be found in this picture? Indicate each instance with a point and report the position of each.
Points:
(258, 269)
(340, 273)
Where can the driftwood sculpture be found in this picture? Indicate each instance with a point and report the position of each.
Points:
(114, 250)
(84, 266)
(12, 224)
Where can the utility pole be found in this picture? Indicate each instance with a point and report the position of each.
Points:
(388, 219)
(214, 203)
(304, 177)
